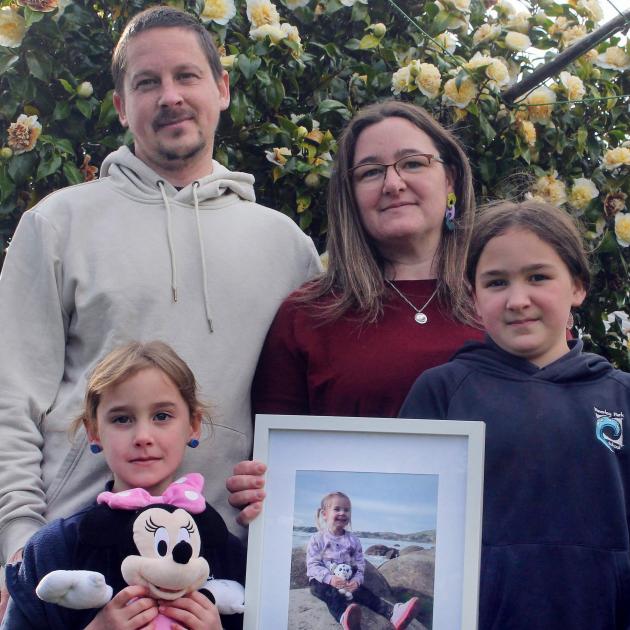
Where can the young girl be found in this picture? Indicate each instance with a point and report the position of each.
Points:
(333, 545)
(141, 411)
(556, 500)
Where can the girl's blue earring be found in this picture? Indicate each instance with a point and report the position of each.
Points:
(449, 215)
(193, 443)
(95, 448)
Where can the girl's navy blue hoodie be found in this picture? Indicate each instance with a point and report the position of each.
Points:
(556, 486)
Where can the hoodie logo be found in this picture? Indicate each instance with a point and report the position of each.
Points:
(609, 429)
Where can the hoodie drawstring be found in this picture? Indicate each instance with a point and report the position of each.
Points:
(204, 273)
(169, 236)
(171, 249)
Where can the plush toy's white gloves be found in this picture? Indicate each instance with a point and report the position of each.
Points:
(75, 589)
(228, 594)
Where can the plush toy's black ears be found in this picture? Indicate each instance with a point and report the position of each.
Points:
(212, 528)
(103, 527)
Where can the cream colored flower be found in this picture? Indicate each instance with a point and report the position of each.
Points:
(613, 58)
(495, 69)
(590, 56)
(527, 131)
(446, 40)
(44, 6)
(616, 158)
(486, 33)
(583, 191)
(540, 103)
(227, 61)
(622, 228)
(23, 134)
(400, 80)
(459, 96)
(517, 41)
(572, 34)
(478, 61)
(218, 11)
(428, 79)
(273, 31)
(573, 85)
(560, 25)
(518, 22)
(12, 27)
(591, 9)
(261, 12)
(351, 3)
(278, 155)
(291, 32)
(550, 189)
(463, 6)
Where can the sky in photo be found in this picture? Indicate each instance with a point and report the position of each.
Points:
(381, 502)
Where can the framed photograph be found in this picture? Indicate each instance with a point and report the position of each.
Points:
(396, 504)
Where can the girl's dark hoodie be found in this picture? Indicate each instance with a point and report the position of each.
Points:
(556, 483)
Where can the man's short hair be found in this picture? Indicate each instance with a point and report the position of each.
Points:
(162, 17)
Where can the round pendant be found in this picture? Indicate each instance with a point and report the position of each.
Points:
(420, 318)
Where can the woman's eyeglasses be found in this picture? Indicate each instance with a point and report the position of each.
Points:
(374, 174)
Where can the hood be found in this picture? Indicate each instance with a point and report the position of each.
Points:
(144, 185)
(141, 182)
(487, 357)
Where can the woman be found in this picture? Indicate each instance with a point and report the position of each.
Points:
(400, 213)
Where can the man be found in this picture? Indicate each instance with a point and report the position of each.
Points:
(167, 244)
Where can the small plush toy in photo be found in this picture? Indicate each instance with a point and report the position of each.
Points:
(344, 571)
(165, 554)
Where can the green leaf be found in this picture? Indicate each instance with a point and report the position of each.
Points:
(61, 111)
(48, 167)
(238, 108)
(32, 17)
(39, 65)
(7, 61)
(6, 184)
(62, 144)
(85, 107)
(248, 67)
(21, 167)
(72, 173)
(369, 41)
(67, 86)
(582, 136)
(107, 113)
(331, 105)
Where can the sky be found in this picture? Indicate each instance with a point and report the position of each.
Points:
(390, 502)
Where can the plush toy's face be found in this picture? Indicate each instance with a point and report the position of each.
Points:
(343, 571)
(169, 563)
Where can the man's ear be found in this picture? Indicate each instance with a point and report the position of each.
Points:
(119, 104)
(224, 91)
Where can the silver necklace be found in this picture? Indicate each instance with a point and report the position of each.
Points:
(420, 317)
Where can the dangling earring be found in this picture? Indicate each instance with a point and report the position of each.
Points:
(95, 448)
(570, 321)
(449, 215)
(193, 443)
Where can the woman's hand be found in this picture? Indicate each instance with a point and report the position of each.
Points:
(121, 613)
(192, 612)
(4, 593)
(246, 489)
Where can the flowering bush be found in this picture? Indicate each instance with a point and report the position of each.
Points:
(299, 69)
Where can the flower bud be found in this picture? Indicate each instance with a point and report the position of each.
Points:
(312, 180)
(6, 153)
(379, 29)
(301, 132)
(85, 89)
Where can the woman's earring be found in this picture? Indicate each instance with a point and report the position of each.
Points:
(95, 448)
(193, 443)
(449, 215)
(570, 321)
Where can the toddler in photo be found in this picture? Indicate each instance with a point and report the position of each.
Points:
(141, 412)
(334, 545)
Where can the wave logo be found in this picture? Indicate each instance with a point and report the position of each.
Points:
(609, 429)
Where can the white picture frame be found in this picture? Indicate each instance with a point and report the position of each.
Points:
(452, 450)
